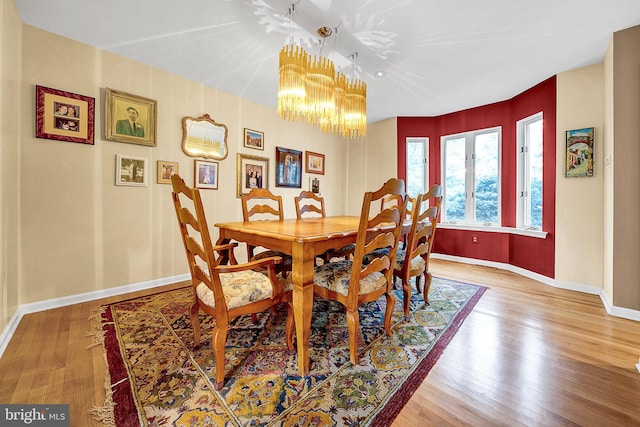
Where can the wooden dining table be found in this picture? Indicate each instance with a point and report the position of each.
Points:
(303, 239)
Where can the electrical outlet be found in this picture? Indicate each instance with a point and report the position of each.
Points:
(474, 239)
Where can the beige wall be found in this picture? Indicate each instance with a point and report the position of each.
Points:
(10, 66)
(80, 232)
(626, 175)
(372, 161)
(579, 201)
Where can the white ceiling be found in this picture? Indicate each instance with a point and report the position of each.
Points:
(438, 56)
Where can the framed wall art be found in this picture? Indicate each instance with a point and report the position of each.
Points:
(203, 137)
(165, 170)
(64, 116)
(314, 185)
(253, 139)
(288, 168)
(206, 174)
(580, 145)
(314, 162)
(131, 170)
(130, 118)
(253, 172)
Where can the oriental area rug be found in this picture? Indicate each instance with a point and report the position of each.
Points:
(155, 378)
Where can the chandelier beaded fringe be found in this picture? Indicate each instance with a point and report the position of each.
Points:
(310, 90)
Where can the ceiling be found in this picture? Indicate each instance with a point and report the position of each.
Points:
(438, 56)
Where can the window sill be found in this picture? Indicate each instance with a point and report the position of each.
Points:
(495, 229)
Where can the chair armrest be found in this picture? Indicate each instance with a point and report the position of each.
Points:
(265, 262)
(226, 246)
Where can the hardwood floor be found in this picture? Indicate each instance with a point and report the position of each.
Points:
(528, 355)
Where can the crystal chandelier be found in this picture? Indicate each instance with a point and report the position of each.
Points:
(311, 90)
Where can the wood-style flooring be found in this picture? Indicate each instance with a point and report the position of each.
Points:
(528, 355)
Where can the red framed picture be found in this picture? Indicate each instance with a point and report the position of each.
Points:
(64, 116)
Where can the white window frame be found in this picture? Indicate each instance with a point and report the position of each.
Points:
(425, 150)
(470, 204)
(523, 199)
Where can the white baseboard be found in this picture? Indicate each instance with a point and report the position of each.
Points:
(35, 307)
(622, 312)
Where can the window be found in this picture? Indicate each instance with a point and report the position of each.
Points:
(529, 170)
(417, 166)
(471, 176)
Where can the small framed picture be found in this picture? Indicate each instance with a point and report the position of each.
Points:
(314, 162)
(165, 170)
(253, 139)
(253, 172)
(314, 185)
(288, 168)
(131, 170)
(580, 152)
(130, 118)
(64, 116)
(206, 174)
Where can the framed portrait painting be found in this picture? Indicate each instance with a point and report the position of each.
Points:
(253, 172)
(579, 157)
(64, 116)
(288, 168)
(130, 118)
(253, 139)
(165, 170)
(206, 174)
(314, 162)
(131, 170)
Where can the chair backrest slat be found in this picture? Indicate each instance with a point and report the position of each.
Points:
(196, 238)
(261, 201)
(309, 202)
(423, 226)
(379, 230)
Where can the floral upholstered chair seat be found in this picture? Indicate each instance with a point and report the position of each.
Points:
(417, 263)
(241, 288)
(335, 276)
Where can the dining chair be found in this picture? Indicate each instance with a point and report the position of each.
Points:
(309, 204)
(261, 204)
(353, 283)
(224, 291)
(413, 260)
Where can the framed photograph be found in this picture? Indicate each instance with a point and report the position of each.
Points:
(64, 116)
(253, 172)
(253, 139)
(131, 170)
(288, 168)
(314, 162)
(130, 118)
(203, 137)
(314, 185)
(206, 174)
(165, 170)
(580, 145)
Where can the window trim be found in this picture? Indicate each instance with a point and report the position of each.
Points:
(522, 172)
(424, 140)
(470, 176)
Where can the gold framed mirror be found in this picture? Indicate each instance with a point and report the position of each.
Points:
(203, 137)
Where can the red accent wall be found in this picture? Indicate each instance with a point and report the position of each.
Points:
(530, 253)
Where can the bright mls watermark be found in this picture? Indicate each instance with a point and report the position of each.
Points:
(34, 415)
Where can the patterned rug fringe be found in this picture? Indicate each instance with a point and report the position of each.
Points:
(103, 414)
(97, 330)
